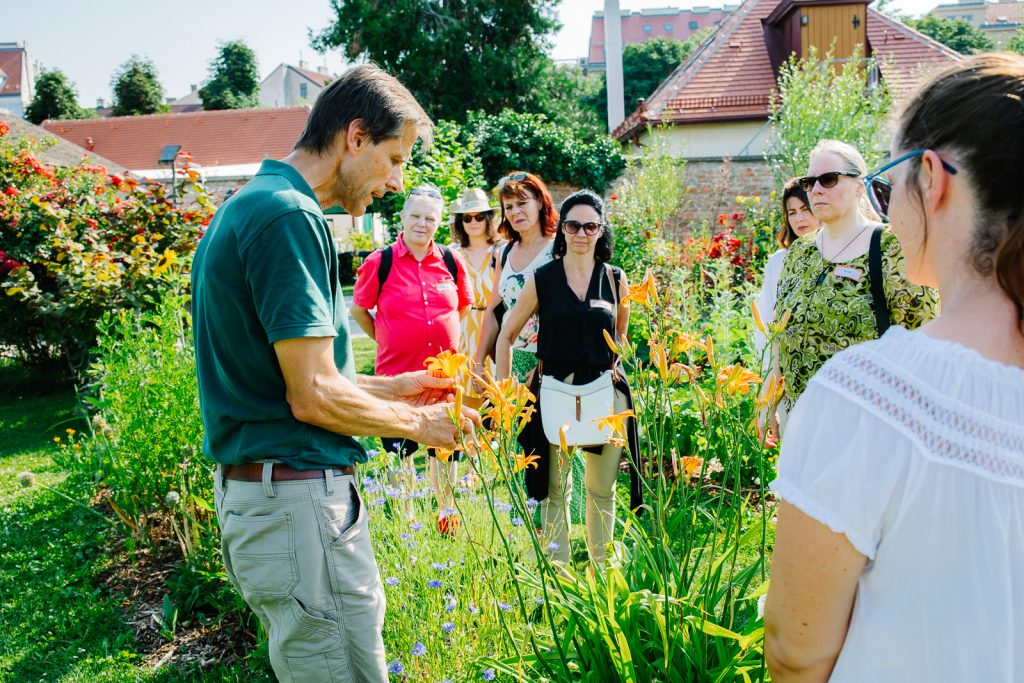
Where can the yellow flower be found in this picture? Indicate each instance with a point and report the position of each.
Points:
(56, 439)
(617, 424)
(446, 364)
(611, 344)
(758, 320)
(443, 454)
(691, 466)
(645, 292)
(169, 258)
(523, 461)
(71, 432)
(561, 438)
(456, 411)
(509, 401)
(14, 291)
(684, 342)
(660, 361)
(736, 379)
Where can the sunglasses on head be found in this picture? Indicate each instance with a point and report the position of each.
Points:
(425, 192)
(826, 180)
(590, 229)
(880, 190)
(471, 217)
(518, 176)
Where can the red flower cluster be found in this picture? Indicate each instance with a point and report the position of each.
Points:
(7, 264)
(4, 128)
(11, 191)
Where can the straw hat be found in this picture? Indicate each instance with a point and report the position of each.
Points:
(474, 200)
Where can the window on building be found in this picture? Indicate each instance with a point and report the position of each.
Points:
(303, 90)
(668, 28)
(648, 28)
(693, 24)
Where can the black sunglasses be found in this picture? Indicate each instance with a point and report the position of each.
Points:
(590, 229)
(880, 190)
(827, 180)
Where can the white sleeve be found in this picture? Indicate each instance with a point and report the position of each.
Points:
(766, 302)
(843, 465)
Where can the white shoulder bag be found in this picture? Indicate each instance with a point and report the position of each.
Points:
(578, 407)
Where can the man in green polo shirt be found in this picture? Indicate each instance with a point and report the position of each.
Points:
(278, 393)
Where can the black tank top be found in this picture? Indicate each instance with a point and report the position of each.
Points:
(570, 339)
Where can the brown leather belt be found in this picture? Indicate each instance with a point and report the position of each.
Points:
(253, 471)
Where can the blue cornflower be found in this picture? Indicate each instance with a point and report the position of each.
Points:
(487, 674)
(448, 626)
(504, 606)
(416, 526)
(531, 503)
(450, 603)
(539, 600)
(501, 507)
(406, 537)
(372, 452)
(391, 581)
(395, 667)
(418, 650)
(552, 547)
(438, 566)
(434, 583)
(447, 680)
(473, 609)
(377, 501)
(517, 521)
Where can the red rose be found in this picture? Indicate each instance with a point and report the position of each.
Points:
(12, 192)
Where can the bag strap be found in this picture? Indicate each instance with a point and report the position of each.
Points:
(449, 262)
(384, 269)
(876, 278)
(609, 274)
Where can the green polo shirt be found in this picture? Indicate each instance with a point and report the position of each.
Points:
(266, 270)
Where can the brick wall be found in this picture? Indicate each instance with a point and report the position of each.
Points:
(714, 184)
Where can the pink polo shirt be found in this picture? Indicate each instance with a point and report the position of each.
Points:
(418, 308)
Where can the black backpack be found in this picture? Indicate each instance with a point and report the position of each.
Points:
(875, 277)
(387, 256)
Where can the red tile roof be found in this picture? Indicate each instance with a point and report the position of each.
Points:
(730, 76)
(10, 62)
(320, 79)
(234, 136)
(1011, 12)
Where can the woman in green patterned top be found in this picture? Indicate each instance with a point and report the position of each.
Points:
(825, 281)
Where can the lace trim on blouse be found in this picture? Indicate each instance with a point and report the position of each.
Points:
(943, 430)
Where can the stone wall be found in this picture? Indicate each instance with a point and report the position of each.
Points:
(713, 185)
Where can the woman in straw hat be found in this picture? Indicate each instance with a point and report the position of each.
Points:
(474, 224)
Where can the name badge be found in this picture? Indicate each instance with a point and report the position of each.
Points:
(445, 286)
(849, 272)
(601, 303)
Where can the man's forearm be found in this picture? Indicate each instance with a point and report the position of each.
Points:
(358, 410)
(380, 387)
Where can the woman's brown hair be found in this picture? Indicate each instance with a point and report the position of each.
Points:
(974, 111)
(786, 235)
(530, 187)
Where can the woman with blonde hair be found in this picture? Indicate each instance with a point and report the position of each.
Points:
(899, 550)
(844, 284)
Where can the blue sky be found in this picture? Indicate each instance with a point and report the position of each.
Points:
(89, 40)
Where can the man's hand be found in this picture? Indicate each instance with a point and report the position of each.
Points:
(421, 389)
(437, 430)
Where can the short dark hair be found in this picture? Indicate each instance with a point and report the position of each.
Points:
(786, 234)
(603, 249)
(368, 94)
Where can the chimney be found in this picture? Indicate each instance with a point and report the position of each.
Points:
(322, 70)
(193, 87)
(100, 103)
(303, 64)
(613, 63)
(89, 144)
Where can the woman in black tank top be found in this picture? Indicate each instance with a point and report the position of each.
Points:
(577, 298)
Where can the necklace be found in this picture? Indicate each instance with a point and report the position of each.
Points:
(835, 258)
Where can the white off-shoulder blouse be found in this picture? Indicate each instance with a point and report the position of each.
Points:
(913, 448)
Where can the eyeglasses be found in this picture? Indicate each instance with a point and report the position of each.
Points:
(518, 176)
(827, 180)
(425, 192)
(880, 190)
(590, 229)
(469, 218)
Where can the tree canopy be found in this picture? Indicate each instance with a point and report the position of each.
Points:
(137, 88)
(956, 34)
(1016, 43)
(455, 56)
(55, 98)
(234, 78)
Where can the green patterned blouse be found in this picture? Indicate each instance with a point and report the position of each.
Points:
(832, 307)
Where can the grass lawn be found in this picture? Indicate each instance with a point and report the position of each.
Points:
(59, 620)
(365, 350)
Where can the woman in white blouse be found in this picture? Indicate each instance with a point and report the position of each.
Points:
(899, 551)
(797, 221)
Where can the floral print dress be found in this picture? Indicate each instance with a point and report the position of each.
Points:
(510, 287)
(831, 306)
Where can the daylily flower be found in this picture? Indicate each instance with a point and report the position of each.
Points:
(736, 379)
(758, 320)
(691, 466)
(617, 425)
(446, 364)
(644, 293)
(522, 461)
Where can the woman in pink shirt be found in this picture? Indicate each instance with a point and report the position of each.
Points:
(420, 291)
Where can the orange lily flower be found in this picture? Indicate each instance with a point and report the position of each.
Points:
(736, 379)
(446, 364)
(523, 461)
(617, 425)
(644, 293)
(691, 466)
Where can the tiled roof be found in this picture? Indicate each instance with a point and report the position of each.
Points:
(730, 76)
(213, 138)
(10, 62)
(1010, 12)
(320, 79)
(60, 152)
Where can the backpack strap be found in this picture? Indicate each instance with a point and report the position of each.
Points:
(876, 277)
(613, 281)
(449, 262)
(384, 269)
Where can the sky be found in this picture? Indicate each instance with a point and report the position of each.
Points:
(88, 41)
